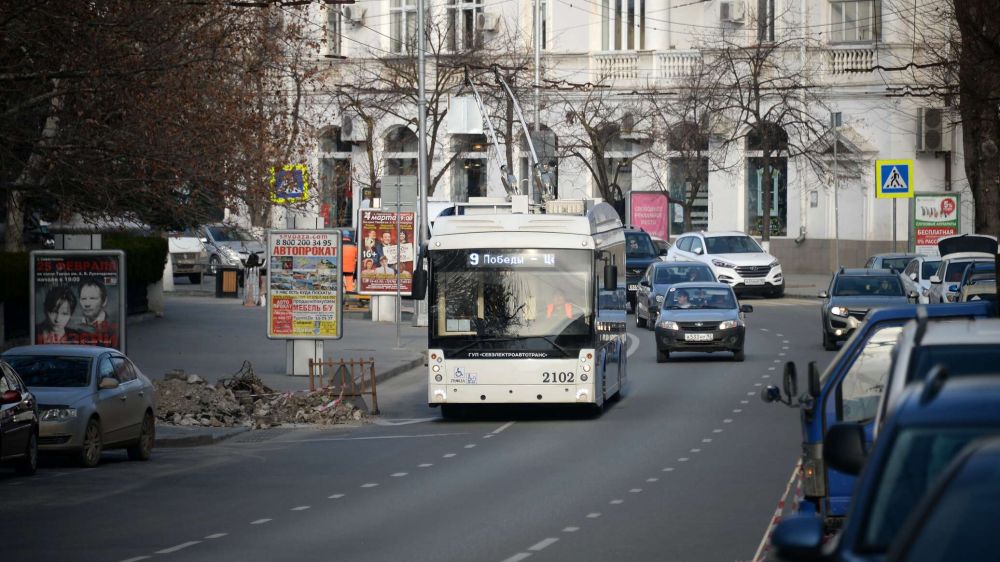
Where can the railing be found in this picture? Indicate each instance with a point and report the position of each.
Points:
(677, 64)
(341, 376)
(617, 66)
(845, 61)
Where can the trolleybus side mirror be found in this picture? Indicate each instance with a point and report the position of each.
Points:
(610, 277)
(791, 381)
(814, 386)
(419, 285)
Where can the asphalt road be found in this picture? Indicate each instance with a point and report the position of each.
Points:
(689, 465)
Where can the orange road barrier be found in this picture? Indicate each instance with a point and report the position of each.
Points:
(346, 377)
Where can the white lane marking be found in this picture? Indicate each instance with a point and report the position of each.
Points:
(336, 496)
(403, 421)
(259, 521)
(751, 393)
(785, 341)
(755, 384)
(777, 360)
(784, 346)
(178, 547)
(369, 485)
(543, 544)
(706, 440)
(737, 410)
(683, 459)
(744, 401)
(772, 368)
(668, 469)
(765, 376)
(398, 474)
(300, 508)
(727, 420)
(782, 354)
(764, 330)
(716, 431)
(216, 536)
(652, 479)
(470, 446)
(632, 348)
(571, 529)
(488, 436)
(780, 335)
(425, 465)
(695, 450)
(518, 557)
(448, 455)
(616, 502)
(374, 438)
(635, 491)
(593, 515)
(502, 427)
(137, 558)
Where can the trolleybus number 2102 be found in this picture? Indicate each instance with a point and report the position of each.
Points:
(560, 377)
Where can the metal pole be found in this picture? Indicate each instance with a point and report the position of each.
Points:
(893, 224)
(538, 80)
(399, 264)
(836, 188)
(423, 174)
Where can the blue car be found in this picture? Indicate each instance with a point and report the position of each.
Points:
(659, 277)
(934, 422)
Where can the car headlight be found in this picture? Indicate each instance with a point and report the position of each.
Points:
(58, 414)
(729, 324)
(725, 264)
(773, 264)
(839, 311)
(668, 325)
(659, 299)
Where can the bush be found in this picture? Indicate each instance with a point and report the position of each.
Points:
(15, 276)
(145, 256)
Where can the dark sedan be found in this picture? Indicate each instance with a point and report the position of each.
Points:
(18, 422)
(658, 278)
(700, 317)
(852, 293)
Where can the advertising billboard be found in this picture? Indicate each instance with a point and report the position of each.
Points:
(935, 216)
(78, 297)
(304, 270)
(384, 256)
(650, 211)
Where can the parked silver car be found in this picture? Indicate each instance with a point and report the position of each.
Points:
(89, 398)
(229, 245)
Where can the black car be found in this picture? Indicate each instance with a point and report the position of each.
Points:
(852, 293)
(700, 317)
(639, 253)
(658, 278)
(18, 422)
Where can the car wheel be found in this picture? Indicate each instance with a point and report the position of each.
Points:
(739, 355)
(195, 278)
(29, 464)
(778, 293)
(640, 322)
(829, 343)
(143, 448)
(93, 444)
(662, 355)
(213, 265)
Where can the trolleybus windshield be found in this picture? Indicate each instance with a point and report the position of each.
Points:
(512, 299)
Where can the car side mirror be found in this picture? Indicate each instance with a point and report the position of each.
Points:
(203, 240)
(935, 280)
(913, 277)
(107, 383)
(844, 447)
(746, 308)
(10, 397)
(799, 537)
(823, 295)
(643, 283)
(664, 251)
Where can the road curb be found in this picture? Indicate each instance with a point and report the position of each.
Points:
(199, 439)
(399, 369)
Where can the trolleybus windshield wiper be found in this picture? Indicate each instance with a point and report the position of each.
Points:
(552, 340)
(478, 341)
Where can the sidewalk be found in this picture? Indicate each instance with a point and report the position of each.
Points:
(212, 337)
(806, 286)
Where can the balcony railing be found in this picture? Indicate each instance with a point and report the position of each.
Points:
(848, 61)
(677, 64)
(613, 67)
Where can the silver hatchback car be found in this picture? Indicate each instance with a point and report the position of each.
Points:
(89, 399)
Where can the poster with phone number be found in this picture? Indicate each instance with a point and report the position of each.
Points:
(303, 284)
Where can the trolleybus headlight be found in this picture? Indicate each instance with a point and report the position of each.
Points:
(582, 395)
(584, 377)
(586, 368)
(440, 396)
(436, 368)
(437, 378)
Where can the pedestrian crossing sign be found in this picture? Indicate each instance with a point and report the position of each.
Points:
(893, 179)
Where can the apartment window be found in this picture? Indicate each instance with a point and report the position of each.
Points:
(334, 30)
(335, 193)
(765, 20)
(545, 22)
(403, 25)
(623, 25)
(855, 21)
(462, 30)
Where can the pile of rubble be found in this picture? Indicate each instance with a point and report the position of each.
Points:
(243, 400)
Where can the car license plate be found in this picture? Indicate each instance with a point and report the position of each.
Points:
(698, 337)
(633, 287)
(757, 281)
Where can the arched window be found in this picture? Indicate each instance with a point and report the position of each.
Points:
(547, 148)
(469, 172)
(688, 175)
(335, 188)
(400, 152)
(771, 137)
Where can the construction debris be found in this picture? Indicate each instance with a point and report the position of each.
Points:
(244, 400)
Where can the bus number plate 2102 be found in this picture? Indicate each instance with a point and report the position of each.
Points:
(558, 377)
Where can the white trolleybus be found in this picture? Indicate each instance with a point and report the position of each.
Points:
(525, 307)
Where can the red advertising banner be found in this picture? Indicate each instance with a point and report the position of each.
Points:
(384, 257)
(935, 216)
(78, 297)
(650, 211)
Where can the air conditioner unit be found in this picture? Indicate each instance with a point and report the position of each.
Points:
(354, 14)
(351, 129)
(932, 132)
(487, 21)
(732, 11)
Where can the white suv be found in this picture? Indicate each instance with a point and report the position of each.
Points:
(735, 258)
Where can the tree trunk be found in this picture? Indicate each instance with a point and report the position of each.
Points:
(14, 235)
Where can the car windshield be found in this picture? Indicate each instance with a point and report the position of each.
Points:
(229, 234)
(639, 246)
(917, 458)
(958, 359)
(670, 274)
(929, 268)
(896, 264)
(860, 285)
(700, 298)
(51, 371)
(731, 245)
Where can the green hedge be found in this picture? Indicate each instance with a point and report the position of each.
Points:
(15, 277)
(145, 256)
